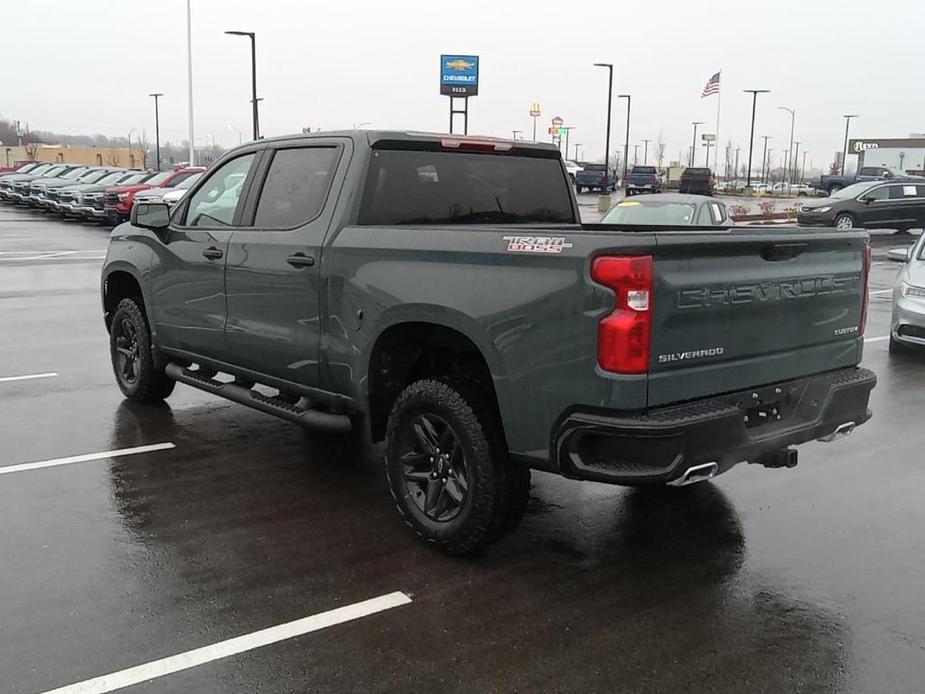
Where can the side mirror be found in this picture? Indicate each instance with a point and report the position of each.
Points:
(866, 200)
(900, 255)
(151, 215)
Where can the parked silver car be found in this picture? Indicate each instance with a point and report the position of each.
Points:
(907, 329)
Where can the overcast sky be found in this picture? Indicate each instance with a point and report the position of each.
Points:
(87, 66)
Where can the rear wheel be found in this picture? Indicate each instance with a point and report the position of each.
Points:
(132, 360)
(834, 188)
(578, 190)
(448, 467)
(844, 221)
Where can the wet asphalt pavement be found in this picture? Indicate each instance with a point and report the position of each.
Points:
(804, 580)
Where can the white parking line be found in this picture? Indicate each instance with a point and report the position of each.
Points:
(234, 646)
(103, 455)
(876, 339)
(882, 291)
(27, 377)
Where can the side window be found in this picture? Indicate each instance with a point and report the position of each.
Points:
(214, 204)
(881, 193)
(900, 192)
(719, 213)
(296, 186)
(703, 217)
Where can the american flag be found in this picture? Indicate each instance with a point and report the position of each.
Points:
(712, 86)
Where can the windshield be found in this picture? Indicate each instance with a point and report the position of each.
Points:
(26, 168)
(110, 177)
(188, 182)
(648, 212)
(157, 179)
(41, 169)
(440, 187)
(54, 171)
(853, 190)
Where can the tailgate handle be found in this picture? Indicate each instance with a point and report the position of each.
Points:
(782, 251)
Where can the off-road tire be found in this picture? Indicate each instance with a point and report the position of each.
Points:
(149, 383)
(497, 491)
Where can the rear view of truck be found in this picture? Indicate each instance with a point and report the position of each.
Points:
(748, 344)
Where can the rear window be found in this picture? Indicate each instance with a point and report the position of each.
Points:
(594, 167)
(438, 187)
(643, 169)
(697, 172)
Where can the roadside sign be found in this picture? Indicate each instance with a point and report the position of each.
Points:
(459, 75)
(557, 122)
(708, 137)
(553, 131)
(535, 109)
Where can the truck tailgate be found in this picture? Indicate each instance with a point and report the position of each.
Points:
(750, 307)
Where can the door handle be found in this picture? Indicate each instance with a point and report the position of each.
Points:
(212, 253)
(301, 260)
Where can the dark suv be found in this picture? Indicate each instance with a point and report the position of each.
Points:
(696, 180)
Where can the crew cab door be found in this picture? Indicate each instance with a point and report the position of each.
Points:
(274, 262)
(188, 276)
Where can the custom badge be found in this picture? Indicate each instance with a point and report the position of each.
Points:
(536, 244)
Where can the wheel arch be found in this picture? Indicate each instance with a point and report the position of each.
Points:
(408, 349)
(121, 282)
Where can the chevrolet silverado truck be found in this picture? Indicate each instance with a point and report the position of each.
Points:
(440, 294)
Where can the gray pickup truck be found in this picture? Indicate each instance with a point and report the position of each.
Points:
(440, 293)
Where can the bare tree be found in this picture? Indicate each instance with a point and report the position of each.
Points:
(660, 149)
(113, 159)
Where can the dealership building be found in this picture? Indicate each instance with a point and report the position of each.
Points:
(903, 155)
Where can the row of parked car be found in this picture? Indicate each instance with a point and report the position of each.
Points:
(695, 180)
(103, 194)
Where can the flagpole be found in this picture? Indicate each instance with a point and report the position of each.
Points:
(719, 96)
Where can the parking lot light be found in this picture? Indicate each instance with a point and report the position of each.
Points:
(604, 204)
(751, 137)
(157, 130)
(791, 156)
(844, 157)
(694, 142)
(252, 37)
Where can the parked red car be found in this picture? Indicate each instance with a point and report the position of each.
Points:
(118, 201)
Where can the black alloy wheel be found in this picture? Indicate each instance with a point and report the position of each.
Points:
(127, 355)
(434, 467)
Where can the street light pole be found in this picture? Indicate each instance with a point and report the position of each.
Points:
(764, 159)
(626, 145)
(240, 134)
(514, 134)
(577, 145)
(844, 156)
(253, 38)
(794, 157)
(645, 151)
(694, 142)
(635, 154)
(189, 82)
(157, 129)
(604, 200)
(803, 170)
(751, 137)
(791, 157)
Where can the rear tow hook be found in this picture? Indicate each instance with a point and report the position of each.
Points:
(783, 457)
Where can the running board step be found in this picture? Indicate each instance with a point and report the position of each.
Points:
(307, 417)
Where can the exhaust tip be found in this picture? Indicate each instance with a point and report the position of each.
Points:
(841, 431)
(697, 473)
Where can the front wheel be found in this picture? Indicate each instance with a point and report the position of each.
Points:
(448, 467)
(132, 360)
(844, 222)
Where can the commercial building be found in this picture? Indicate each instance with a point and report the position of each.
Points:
(133, 158)
(903, 155)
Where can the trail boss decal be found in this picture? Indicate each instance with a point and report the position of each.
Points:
(536, 244)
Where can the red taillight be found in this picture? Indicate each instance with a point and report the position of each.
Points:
(866, 299)
(625, 334)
